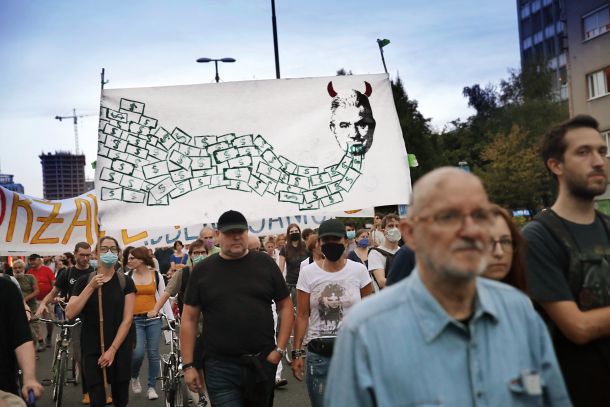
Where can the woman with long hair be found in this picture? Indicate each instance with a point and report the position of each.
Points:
(117, 298)
(315, 253)
(291, 257)
(149, 285)
(361, 253)
(507, 257)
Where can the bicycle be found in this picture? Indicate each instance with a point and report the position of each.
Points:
(61, 357)
(172, 377)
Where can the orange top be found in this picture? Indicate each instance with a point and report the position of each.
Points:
(145, 297)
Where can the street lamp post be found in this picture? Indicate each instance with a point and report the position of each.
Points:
(205, 60)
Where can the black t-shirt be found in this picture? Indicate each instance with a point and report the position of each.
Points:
(402, 266)
(66, 281)
(113, 301)
(293, 265)
(15, 332)
(586, 368)
(235, 298)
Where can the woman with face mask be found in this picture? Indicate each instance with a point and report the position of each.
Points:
(118, 297)
(198, 251)
(361, 253)
(325, 295)
(291, 257)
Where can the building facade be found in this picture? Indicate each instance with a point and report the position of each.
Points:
(542, 39)
(588, 38)
(63, 175)
(6, 181)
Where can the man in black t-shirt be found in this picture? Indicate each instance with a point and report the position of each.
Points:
(234, 290)
(65, 283)
(573, 293)
(16, 345)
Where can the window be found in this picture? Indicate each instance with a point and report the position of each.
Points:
(596, 23)
(597, 83)
(606, 135)
(527, 43)
(525, 10)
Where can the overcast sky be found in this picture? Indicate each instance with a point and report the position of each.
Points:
(52, 53)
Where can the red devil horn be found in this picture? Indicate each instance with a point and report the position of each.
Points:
(330, 89)
(368, 89)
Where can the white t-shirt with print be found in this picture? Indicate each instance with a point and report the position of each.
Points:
(377, 260)
(331, 295)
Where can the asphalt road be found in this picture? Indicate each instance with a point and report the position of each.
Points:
(294, 394)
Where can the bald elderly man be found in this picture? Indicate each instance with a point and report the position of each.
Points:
(444, 336)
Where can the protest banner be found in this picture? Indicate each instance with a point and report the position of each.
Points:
(33, 225)
(293, 147)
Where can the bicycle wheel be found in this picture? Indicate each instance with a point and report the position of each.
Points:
(55, 379)
(168, 383)
(63, 365)
(182, 397)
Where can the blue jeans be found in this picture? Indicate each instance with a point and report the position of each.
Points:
(148, 332)
(224, 380)
(316, 371)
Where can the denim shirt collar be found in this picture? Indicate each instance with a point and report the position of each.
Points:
(433, 319)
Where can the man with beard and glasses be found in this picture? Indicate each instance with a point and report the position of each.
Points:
(567, 259)
(443, 335)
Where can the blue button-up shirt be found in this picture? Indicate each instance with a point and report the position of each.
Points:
(400, 348)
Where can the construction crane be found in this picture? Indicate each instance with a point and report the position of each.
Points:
(75, 118)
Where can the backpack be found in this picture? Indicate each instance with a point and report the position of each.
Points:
(186, 272)
(389, 258)
(121, 279)
(587, 273)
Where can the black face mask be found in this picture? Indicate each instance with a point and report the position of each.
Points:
(333, 251)
(295, 236)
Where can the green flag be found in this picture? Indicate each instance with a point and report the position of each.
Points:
(383, 43)
(412, 160)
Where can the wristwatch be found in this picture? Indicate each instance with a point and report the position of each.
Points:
(299, 353)
(281, 351)
(187, 366)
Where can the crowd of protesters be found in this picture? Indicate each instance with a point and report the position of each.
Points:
(451, 305)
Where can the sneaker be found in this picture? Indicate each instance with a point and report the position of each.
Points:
(203, 402)
(136, 387)
(152, 394)
(86, 400)
(280, 382)
(108, 400)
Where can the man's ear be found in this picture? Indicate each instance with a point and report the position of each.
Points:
(555, 166)
(406, 231)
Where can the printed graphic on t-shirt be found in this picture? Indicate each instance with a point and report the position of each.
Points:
(332, 298)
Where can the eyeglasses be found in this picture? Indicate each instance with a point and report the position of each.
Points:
(453, 219)
(505, 244)
(105, 249)
(198, 252)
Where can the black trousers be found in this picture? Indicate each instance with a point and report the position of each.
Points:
(119, 392)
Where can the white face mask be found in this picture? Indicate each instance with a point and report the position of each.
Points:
(393, 235)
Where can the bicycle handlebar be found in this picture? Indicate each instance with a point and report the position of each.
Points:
(61, 324)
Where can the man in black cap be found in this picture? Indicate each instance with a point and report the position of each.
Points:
(234, 290)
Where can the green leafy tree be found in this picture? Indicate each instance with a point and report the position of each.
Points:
(515, 176)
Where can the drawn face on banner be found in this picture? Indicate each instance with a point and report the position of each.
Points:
(351, 120)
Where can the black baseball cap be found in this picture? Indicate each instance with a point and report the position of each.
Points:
(331, 227)
(232, 220)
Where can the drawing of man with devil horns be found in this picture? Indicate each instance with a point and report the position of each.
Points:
(351, 119)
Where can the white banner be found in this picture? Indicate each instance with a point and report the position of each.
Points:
(186, 154)
(32, 225)
(35, 225)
